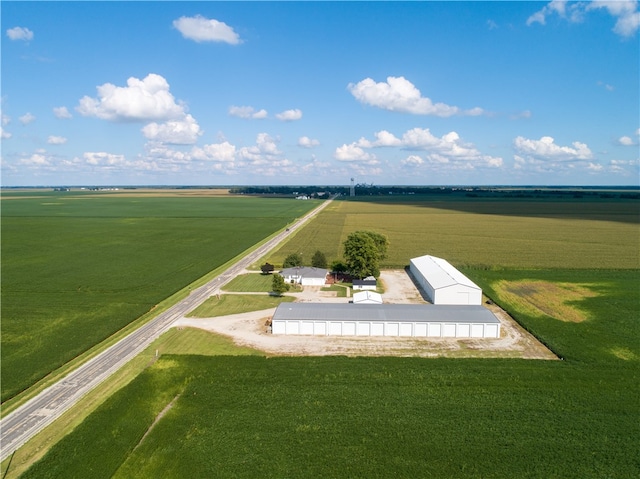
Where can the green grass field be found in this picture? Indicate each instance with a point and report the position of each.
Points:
(323, 417)
(77, 268)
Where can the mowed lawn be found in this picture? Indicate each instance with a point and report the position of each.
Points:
(77, 268)
(519, 233)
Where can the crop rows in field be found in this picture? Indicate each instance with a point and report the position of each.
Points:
(524, 234)
(76, 269)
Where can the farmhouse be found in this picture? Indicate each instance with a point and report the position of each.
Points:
(367, 297)
(305, 275)
(368, 283)
(408, 320)
(443, 283)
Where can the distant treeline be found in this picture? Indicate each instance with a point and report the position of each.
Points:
(629, 192)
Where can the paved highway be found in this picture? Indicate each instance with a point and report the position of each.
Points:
(33, 416)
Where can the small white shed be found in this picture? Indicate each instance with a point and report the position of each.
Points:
(305, 275)
(367, 297)
(443, 283)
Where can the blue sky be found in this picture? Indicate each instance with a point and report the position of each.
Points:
(300, 93)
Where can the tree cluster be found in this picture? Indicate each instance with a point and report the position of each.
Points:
(363, 251)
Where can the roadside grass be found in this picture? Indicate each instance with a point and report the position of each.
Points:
(228, 304)
(516, 234)
(340, 289)
(76, 269)
(252, 282)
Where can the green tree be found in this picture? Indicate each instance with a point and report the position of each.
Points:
(319, 260)
(278, 285)
(293, 260)
(363, 251)
(338, 266)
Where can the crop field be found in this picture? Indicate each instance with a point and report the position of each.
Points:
(517, 234)
(299, 417)
(76, 268)
(385, 417)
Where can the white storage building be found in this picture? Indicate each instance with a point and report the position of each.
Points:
(409, 320)
(443, 283)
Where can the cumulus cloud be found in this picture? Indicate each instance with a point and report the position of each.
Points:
(247, 112)
(184, 131)
(201, 29)
(62, 113)
(353, 152)
(56, 140)
(225, 152)
(399, 94)
(5, 119)
(141, 100)
(20, 33)
(624, 11)
(289, 115)
(5, 135)
(546, 149)
(39, 159)
(27, 118)
(625, 141)
(306, 142)
(448, 148)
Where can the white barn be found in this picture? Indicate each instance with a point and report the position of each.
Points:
(443, 283)
(401, 320)
(305, 275)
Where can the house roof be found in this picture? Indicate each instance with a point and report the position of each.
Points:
(427, 313)
(440, 273)
(364, 282)
(305, 272)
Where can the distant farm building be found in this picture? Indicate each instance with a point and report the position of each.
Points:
(401, 320)
(365, 284)
(367, 297)
(443, 283)
(305, 275)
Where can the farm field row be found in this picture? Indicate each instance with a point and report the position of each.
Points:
(383, 417)
(519, 234)
(76, 269)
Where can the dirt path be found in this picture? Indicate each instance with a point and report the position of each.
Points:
(249, 329)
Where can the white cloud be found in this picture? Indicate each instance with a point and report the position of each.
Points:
(5, 135)
(399, 94)
(20, 33)
(184, 131)
(546, 149)
(27, 118)
(446, 149)
(247, 112)
(624, 11)
(201, 29)
(105, 160)
(289, 115)
(625, 141)
(141, 100)
(5, 119)
(56, 140)
(266, 147)
(353, 152)
(38, 159)
(225, 152)
(62, 113)
(307, 142)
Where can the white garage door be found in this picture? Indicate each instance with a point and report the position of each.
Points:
(391, 329)
(320, 328)
(306, 327)
(293, 327)
(477, 330)
(278, 327)
(406, 329)
(335, 329)
(491, 331)
(377, 329)
(435, 330)
(363, 329)
(349, 329)
(463, 331)
(448, 330)
(420, 330)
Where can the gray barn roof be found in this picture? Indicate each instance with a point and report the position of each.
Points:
(442, 313)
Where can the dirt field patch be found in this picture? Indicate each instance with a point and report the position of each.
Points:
(543, 298)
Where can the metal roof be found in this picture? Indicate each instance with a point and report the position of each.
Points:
(427, 313)
(305, 272)
(367, 295)
(440, 273)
